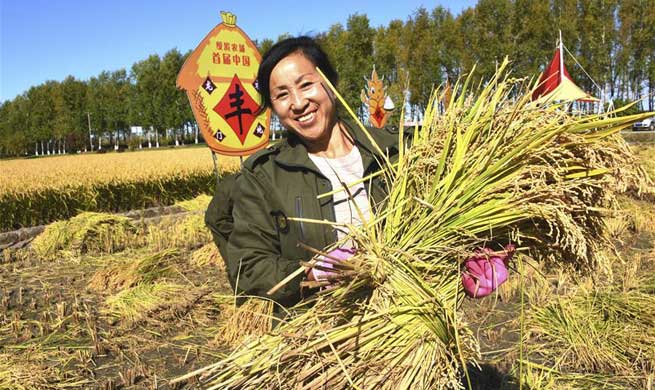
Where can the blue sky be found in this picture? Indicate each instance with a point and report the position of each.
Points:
(49, 39)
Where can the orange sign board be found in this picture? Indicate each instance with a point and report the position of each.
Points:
(219, 78)
(378, 103)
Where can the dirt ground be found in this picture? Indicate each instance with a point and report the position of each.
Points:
(56, 330)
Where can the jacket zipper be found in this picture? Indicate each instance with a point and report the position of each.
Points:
(300, 215)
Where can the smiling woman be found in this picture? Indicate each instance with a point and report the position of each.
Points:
(262, 239)
(306, 107)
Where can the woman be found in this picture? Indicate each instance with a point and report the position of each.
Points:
(321, 152)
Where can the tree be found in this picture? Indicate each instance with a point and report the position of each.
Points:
(42, 115)
(494, 34)
(466, 40)
(72, 115)
(14, 134)
(148, 98)
(533, 36)
(358, 62)
(264, 46)
(390, 59)
(96, 102)
(175, 109)
(597, 45)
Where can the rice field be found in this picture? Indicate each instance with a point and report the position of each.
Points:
(102, 301)
(39, 191)
(154, 304)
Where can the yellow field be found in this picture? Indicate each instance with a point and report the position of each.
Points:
(76, 170)
(39, 191)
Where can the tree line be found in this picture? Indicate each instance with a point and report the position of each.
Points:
(613, 43)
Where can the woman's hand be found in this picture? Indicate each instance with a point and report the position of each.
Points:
(323, 269)
(485, 271)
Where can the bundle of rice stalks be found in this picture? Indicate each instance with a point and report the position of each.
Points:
(144, 300)
(10, 255)
(85, 233)
(199, 203)
(208, 255)
(537, 376)
(494, 168)
(188, 232)
(145, 269)
(239, 323)
(608, 331)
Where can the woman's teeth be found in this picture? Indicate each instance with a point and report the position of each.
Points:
(306, 118)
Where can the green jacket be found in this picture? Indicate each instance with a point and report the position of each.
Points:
(273, 185)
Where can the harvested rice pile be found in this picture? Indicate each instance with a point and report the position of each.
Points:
(491, 170)
(85, 233)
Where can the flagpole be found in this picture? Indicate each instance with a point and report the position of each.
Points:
(561, 57)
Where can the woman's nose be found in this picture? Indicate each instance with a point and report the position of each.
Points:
(298, 101)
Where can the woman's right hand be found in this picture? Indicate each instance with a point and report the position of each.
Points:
(324, 266)
(485, 271)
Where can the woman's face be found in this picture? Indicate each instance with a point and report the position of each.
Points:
(300, 100)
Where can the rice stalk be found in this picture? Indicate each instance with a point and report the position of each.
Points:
(33, 369)
(238, 323)
(608, 331)
(199, 203)
(208, 256)
(537, 376)
(494, 168)
(142, 301)
(86, 233)
(145, 269)
(185, 233)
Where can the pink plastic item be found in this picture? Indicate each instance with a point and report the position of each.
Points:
(485, 271)
(340, 254)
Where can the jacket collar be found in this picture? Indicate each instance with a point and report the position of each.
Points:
(294, 153)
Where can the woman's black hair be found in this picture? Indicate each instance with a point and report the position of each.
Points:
(305, 45)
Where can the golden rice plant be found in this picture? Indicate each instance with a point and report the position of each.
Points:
(493, 168)
(91, 233)
(39, 191)
(645, 153)
(188, 232)
(126, 274)
(239, 323)
(208, 256)
(197, 204)
(144, 300)
(606, 330)
(538, 376)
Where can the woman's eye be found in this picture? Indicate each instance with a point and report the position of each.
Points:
(281, 96)
(306, 84)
